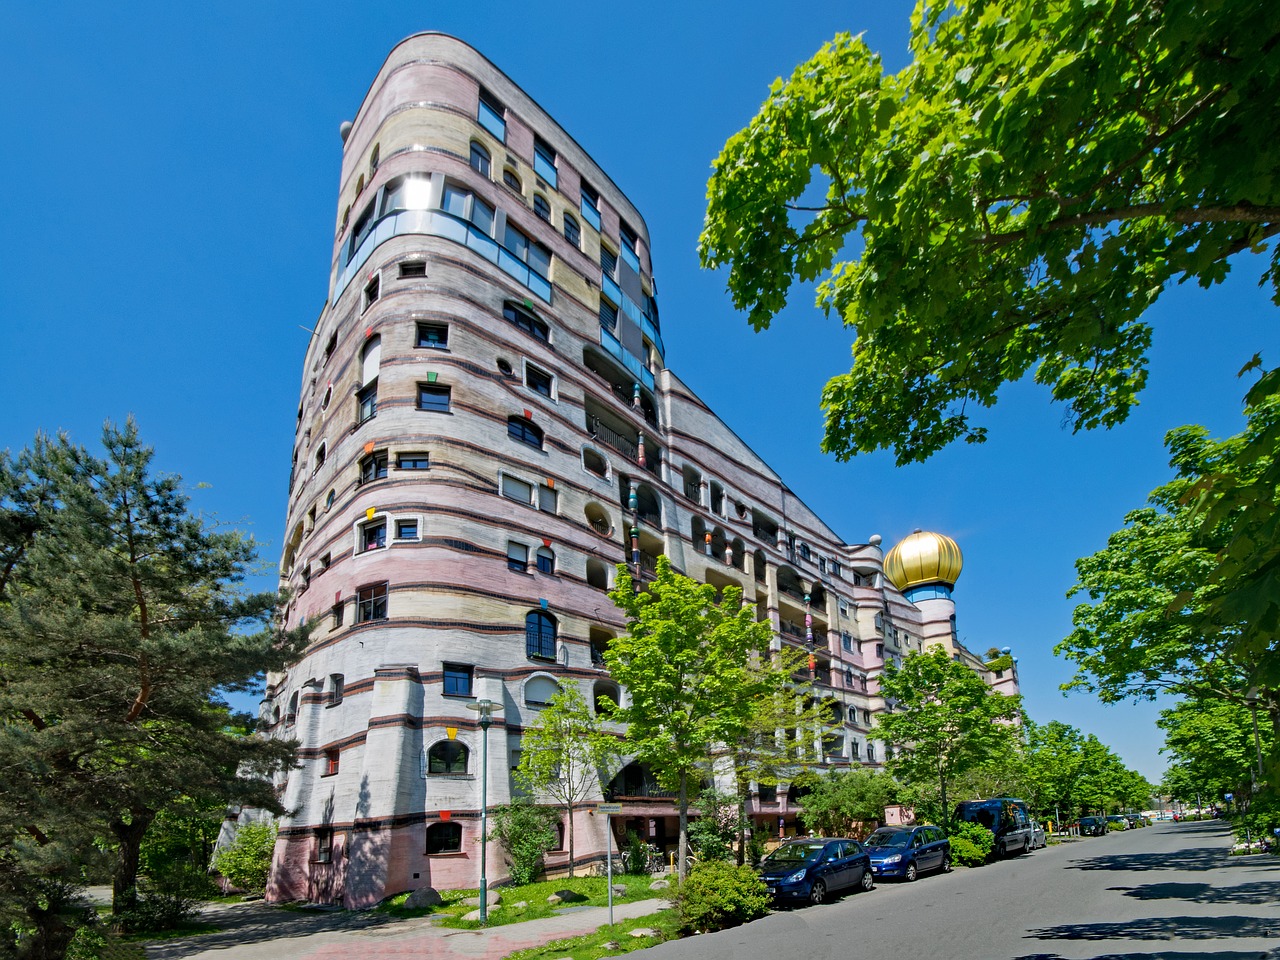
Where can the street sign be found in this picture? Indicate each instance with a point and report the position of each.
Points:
(608, 808)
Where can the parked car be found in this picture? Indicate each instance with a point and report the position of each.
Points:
(1038, 838)
(1137, 820)
(811, 868)
(907, 852)
(1117, 819)
(1092, 826)
(1006, 817)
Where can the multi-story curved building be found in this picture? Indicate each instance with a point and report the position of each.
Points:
(486, 427)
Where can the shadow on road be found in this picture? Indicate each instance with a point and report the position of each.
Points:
(257, 923)
(1263, 891)
(1170, 955)
(1161, 928)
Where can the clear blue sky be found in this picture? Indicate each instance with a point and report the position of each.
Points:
(171, 175)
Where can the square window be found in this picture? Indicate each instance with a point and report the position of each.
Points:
(413, 461)
(324, 843)
(373, 536)
(544, 161)
(457, 680)
(371, 603)
(517, 557)
(326, 562)
(413, 268)
(492, 115)
(338, 610)
(590, 207)
(515, 489)
(539, 381)
(337, 685)
(547, 499)
(371, 291)
(434, 335)
(406, 529)
(332, 760)
(367, 402)
(434, 398)
(373, 467)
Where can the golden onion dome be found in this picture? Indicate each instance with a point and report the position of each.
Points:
(923, 558)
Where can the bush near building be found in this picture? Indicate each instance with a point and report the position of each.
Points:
(971, 844)
(246, 861)
(717, 895)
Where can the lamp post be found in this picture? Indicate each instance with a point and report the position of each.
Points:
(1251, 698)
(485, 709)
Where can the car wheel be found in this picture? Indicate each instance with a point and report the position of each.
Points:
(911, 873)
(818, 892)
(1001, 852)
(946, 863)
(868, 881)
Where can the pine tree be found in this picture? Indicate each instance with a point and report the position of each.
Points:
(124, 620)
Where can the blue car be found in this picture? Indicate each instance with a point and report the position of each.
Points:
(812, 868)
(907, 852)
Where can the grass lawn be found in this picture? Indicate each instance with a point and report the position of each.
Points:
(593, 945)
(534, 896)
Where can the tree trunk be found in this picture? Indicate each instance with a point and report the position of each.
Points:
(124, 882)
(682, 868)
(53, 934)
(569, 829)
(742, 824)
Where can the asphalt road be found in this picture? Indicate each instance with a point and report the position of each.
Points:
(1168, 891)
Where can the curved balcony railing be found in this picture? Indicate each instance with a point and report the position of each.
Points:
(437, 223)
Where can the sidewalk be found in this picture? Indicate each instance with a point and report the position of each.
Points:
(253, 931)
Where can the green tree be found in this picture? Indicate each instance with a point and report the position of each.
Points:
(1010, 202)
(1164, 590)
(1211, 741)
(564, 752)
(945, 721)
(1054, 755)
(526, 832)
(692, 668)
(246, 860)
(841, 803)
(124, 619)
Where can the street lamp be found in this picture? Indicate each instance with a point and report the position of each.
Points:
(1251, 698)
(485, 709)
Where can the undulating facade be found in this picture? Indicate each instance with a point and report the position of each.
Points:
(487, 426)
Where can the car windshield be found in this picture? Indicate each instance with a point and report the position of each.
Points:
(794, 853)
(888, 838)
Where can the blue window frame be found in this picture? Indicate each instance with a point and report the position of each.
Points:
(518, 428)
(457, 680)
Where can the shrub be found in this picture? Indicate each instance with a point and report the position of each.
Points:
(1113, 826)
(756, 848)
(718, 895)
(157, 911)
(246, 861)
(714, 831)
(971, 844)
(637, 853)
(526, 832)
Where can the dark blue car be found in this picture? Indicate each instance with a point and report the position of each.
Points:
(907, 852)
(812, 868)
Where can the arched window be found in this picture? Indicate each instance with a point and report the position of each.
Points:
(539, 691)
(595, 463)
(572, 232)
(597, 574)
(375, 158)
(292, 715)
(447, 756)
(511, 180)
(540, 635)
(546, 558)
(598, 519)
(518, 428)
(479, 159)
(541, 207)
(525, 320)
(444, 838)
